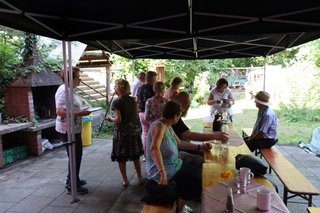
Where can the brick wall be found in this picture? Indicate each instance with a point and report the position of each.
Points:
(19, 101)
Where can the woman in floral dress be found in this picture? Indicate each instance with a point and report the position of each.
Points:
(127, 145)
(155, 105)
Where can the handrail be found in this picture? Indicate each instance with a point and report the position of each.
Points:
(87, 94)
(93, 89)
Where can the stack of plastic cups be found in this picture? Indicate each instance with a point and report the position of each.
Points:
(225, 129)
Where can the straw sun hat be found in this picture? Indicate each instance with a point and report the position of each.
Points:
(262, 97)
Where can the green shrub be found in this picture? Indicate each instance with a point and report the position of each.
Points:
(106, 131)
(295, 112)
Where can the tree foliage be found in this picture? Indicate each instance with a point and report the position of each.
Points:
(192, 71)
(14, 47)
(125, 65)
(10, 56)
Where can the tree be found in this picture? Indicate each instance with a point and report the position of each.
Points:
(125, 65)
(10, 56)
(15, 45)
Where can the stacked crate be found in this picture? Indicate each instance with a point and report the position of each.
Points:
(13, 154)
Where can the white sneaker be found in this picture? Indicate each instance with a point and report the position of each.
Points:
(187, 209)
(144, 159)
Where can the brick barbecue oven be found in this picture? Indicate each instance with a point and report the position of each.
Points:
(32, 96)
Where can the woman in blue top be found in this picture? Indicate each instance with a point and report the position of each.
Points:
(162, 159)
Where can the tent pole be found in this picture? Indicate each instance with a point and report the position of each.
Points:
(67, 64)
(264, 73)
(73, 145)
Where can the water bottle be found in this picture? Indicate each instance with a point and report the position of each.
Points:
(230, 202)
(225, 129)
(224, 116)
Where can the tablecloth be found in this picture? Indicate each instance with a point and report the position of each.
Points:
(215, 197)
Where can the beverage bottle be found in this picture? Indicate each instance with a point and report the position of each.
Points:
(225, 129)
(224, 115)
(216, 125)
(230, 202)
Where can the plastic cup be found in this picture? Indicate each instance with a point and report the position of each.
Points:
(246, 172)
(241, 184)
(218, 149)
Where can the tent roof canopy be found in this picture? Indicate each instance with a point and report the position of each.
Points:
(182, 29)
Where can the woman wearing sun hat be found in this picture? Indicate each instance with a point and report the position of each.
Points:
(265, 129)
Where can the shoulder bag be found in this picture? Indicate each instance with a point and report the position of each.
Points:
(155, 193)
(256, 166)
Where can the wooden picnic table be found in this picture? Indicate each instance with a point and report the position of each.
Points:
(313, 210)
(214, 166)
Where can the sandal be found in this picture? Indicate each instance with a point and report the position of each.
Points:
(124, 183)
(141, 181)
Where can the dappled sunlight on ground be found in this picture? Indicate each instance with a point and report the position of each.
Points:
(204, 110)
(199, 112)
(197, 116)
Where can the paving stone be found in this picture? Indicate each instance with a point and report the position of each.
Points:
(31, 204)
(14, 194)
(96, 206)
(49, 190)
(56, 209)
(4, 206)
(49, 173)
(32, 183)
(39, 182)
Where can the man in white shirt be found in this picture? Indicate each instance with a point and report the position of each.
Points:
(141, 78)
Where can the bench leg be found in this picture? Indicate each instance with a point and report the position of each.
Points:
(1, 153)
(285, 195)
(257, 153)
(310, 201)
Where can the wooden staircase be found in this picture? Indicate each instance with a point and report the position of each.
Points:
(91, 90)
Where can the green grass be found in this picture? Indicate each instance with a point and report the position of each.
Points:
(106, 131)
(288, 132)
(196, 125)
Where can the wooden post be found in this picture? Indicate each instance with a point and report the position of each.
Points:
(160, 71)
(107, 83)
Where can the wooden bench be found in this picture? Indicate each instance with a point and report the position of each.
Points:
(293, 180)
(313, 210)
(147, 208)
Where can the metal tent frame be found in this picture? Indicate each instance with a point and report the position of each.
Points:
(180, 29)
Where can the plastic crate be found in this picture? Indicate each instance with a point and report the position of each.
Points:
(8, 156)
(13, 154)
(20, 152)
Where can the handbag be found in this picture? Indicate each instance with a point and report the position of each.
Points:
(216, 125)
(256, 166)
(155, 193)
